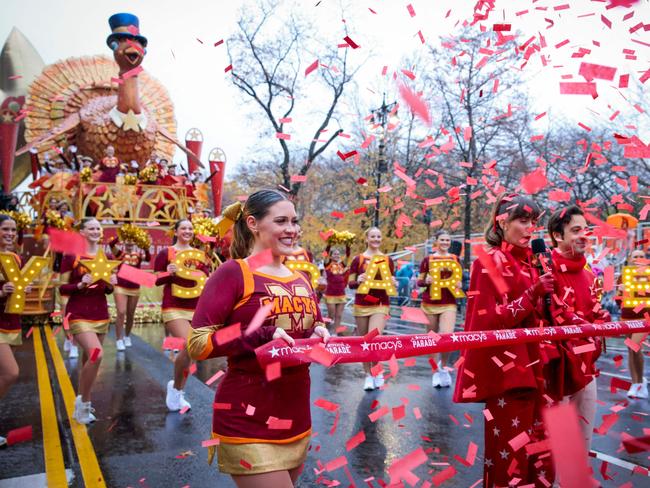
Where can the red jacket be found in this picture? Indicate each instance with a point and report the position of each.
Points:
(489, 372)
(575, 301)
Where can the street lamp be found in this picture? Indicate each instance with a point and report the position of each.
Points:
(379, 119)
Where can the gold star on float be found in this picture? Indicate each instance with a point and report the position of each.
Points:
(100, 267)
(130, 121)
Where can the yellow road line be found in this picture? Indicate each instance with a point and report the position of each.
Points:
(53, 452)
(90, 470)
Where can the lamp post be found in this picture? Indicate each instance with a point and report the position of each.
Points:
(378, 120)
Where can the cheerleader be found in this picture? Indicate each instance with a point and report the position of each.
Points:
(370, 310)
(177, 312)
(505, 293)
(87, 312)
(251, 449)
(336, 271)
(10, 331)
(441, 313)
(126, 293)
(639, 388)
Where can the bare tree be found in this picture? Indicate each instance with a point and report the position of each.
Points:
(265, 55)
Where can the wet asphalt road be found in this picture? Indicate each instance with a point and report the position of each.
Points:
(139, 444)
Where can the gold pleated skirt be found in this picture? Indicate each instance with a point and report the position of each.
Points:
(437, 309)
(333, 300)
(129, 292)
(11, 338)
(262, 457)
(96, 326)
(169, 314)
(361, 311)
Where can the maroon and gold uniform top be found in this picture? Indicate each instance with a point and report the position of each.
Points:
(377, 301)
(10, 331)
(86, 307)
(337, 279)
(170, 303)
(232, 295)
(135, 259)
(446, 296)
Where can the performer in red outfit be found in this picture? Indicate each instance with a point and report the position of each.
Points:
(440, 313)
(109, 167)
(336, 272)
(10, 331)
(639, 388)
(126, 293)
(371, 309)
(508, 379)
(177, 312)
(575, 301)
(253, 448)
(87, 312)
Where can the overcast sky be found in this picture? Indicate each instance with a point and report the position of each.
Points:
(193, 72)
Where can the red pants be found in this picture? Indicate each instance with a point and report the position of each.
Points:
(514, 412)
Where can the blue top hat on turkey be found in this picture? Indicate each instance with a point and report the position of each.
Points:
(124, 26)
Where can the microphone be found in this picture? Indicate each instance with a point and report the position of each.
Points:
(456, 248)
(542, 261)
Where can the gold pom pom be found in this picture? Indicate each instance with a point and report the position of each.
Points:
(86, 175)
(21, 218)
(130, 232)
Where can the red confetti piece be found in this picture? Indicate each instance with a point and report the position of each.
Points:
(444, 475)
(574, 88)
(261, 259)
(210, 442)
(94, 355)
(336, 463)
(298, 178)
(228, 334)
(596, 71)
(350, 42)
(567, 445)
(321, 355)
(279, 424)
(355, 440)
(173, 343)
(312, 67)
(137, 275)
(214, 377)
(218, 43)
(221, 406)
(337, 215)
(283, 136)
(326, 405)
(245, 464)
(22, 434)
(259, 318)
(273, 371)
(133, 72)
(228, 68)
(66, 241)
(415, 103)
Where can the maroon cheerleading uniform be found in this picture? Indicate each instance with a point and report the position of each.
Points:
(447, 299)
(135, 259)
(10, 329)
(337, 281)
(376, 301)
(86, 308)
(248, 404)
(175, 307)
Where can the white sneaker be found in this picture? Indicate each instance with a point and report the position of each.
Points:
(378, 380)
(369, 384)
(445, 379)
(435, 379)
(83, 411)
(3, 441)
(119, 344)
(643, 389)
(66, 345)
(634, 390)
(127, 341)
(74, 352)
(175, 398)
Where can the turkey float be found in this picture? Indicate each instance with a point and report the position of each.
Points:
(95, 102)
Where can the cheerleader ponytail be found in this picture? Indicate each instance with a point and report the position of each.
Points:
(257, 205)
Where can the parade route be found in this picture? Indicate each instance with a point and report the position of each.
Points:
(136, 442)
